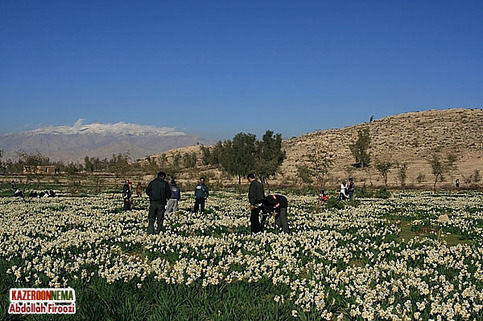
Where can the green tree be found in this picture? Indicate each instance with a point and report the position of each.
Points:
(402, 173)
(206, 158)
(238, 156)
(269, 155)
(438, 168)
(2, 166)
(88, 164)
(120, 165)
(441, 166)
(384, 167)
(319, 163)
(305, 173)
(177, 159)
(360, 149)
(189, 160)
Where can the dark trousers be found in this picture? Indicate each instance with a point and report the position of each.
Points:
(255, 220)
(156, 213)
(127, 204)
(199, 202)
(281, 220)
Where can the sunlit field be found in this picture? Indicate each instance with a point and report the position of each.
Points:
(378, 259)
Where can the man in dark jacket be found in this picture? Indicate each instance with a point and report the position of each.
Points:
(126, 195)
(159, 192)
(201, 194)
(256, 195)
(277, 204)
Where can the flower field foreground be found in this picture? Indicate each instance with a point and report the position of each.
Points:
(391, 259)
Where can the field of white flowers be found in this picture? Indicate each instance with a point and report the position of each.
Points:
(384, 259)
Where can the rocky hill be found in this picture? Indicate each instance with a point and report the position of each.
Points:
(411, 138)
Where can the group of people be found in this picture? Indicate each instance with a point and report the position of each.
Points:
(127, 194)
(273, 204)
(163, 199)
(32, 194)
(347, 191)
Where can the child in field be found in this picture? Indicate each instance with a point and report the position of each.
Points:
(323, 197)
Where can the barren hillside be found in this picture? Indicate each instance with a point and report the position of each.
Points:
(410, 138)
(406, 138)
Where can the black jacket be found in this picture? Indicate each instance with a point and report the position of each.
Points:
(256, 193)
(274, 202)
(158, 191)
(126, 191)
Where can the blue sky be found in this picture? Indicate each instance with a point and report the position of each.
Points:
(217, 68)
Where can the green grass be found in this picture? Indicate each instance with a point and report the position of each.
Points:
(160, 301)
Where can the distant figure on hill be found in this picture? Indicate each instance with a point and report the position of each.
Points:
(159, 192)
(201, 194)
(457, 183)
(174, 199)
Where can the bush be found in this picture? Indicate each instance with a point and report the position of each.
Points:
(382, 193)
(364, 192)
(333, 202)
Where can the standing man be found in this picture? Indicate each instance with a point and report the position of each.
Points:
(351, 188)
(277, 205)
(256, 195)
(201, 194)
(159, 192)
(175, 197)
(126, 195)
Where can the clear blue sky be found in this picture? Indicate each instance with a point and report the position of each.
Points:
(217, 68)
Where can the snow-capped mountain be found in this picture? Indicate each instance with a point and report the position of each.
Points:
(120, 128)
(73, 143)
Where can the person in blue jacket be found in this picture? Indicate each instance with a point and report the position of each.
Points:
(174, 199)
(201, 194)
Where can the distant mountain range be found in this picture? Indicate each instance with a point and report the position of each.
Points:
(73, 143)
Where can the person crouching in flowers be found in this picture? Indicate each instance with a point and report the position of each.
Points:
(277, 205)
(159, 192)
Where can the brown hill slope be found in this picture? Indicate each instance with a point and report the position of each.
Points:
(410, 138)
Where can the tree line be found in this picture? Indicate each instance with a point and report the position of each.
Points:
(245, 154)
(238, 157)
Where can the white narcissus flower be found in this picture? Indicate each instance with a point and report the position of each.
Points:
(351, 254)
